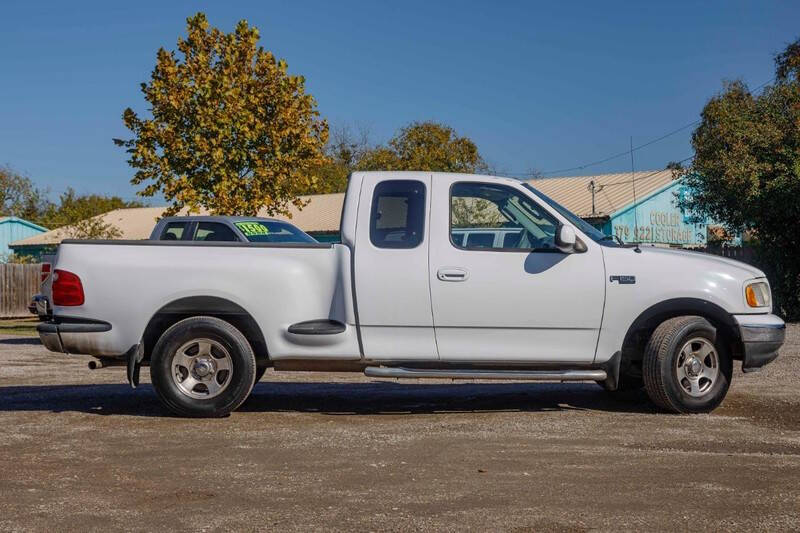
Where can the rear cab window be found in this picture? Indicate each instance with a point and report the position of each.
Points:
(397, 217)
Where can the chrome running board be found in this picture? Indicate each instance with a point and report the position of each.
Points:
(530, 375)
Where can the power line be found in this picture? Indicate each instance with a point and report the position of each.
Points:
(609, 158)
(651, 174)
(626, 152)
(603, 190)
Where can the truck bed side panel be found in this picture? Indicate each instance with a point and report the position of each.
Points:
(126, 284)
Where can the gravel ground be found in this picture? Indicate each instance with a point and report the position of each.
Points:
(80, 450)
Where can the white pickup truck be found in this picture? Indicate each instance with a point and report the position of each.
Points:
(407, 294)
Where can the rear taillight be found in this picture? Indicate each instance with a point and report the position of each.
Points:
(67, 288)
(45, 271)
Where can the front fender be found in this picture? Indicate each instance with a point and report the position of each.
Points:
(668, 283)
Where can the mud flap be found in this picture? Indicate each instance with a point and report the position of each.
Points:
(612, 371)
(135, 356)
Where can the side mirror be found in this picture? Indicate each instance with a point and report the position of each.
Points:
(567, 241)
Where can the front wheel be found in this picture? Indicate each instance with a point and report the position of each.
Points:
(685, 368)
(202, 367)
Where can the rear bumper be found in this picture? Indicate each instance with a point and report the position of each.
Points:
(762, 336)
(70, 335)
(50, 340)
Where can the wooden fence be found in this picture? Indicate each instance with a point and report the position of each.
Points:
(745, 254)
(18, 284)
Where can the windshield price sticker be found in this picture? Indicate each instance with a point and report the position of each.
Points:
(251, 229)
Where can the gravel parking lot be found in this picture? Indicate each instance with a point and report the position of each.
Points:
(80, 450)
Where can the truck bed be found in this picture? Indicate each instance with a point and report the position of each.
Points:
(277, 284)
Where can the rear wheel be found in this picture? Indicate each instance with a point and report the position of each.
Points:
(202, 367)
(686, 369)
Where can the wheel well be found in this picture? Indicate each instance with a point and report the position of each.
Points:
(642, 328)
(221, 308)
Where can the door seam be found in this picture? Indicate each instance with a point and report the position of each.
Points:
(430, 272)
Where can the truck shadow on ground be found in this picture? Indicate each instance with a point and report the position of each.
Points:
(329, 398)
(32, 341)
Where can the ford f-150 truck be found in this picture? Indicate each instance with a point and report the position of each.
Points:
(407, 294)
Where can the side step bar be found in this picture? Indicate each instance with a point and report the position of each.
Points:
(532, 375)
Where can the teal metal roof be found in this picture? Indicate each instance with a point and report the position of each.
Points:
(15, 228)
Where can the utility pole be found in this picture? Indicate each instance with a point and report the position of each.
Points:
(594, 188)
(635, 207)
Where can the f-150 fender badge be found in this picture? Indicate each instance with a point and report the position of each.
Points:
(623, 280)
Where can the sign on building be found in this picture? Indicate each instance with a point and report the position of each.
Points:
(657, 219)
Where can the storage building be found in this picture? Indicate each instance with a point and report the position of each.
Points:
(14, 229)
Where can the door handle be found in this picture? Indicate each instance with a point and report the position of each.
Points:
(452, 274)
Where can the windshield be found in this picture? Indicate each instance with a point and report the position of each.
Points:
(272, 231)
(593, 233)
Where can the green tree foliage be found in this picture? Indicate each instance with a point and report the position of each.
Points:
(344, 151)
(81, 214)
(746, 172)
(419, 146)
(230, 131)
(475, 213)
(94, 228)
(20, 259)
(425, 146)
(19, 197)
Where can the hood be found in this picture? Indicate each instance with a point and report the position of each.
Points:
(664, 274)
(743, 270)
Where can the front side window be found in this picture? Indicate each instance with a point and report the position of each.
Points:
(397, 218)
(497, 217)
(214, 232)
(592, 232)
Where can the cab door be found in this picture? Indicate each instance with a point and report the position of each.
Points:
(391, 267)
(516, 297)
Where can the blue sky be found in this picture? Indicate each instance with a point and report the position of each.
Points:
(537, 85)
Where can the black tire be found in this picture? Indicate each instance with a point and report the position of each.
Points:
(662, 355)
(260, 372)
(242, 373)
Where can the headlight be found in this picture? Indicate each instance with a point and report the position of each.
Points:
(757, 294)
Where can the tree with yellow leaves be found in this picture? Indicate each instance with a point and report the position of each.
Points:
(425, 146)
(231, 130)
